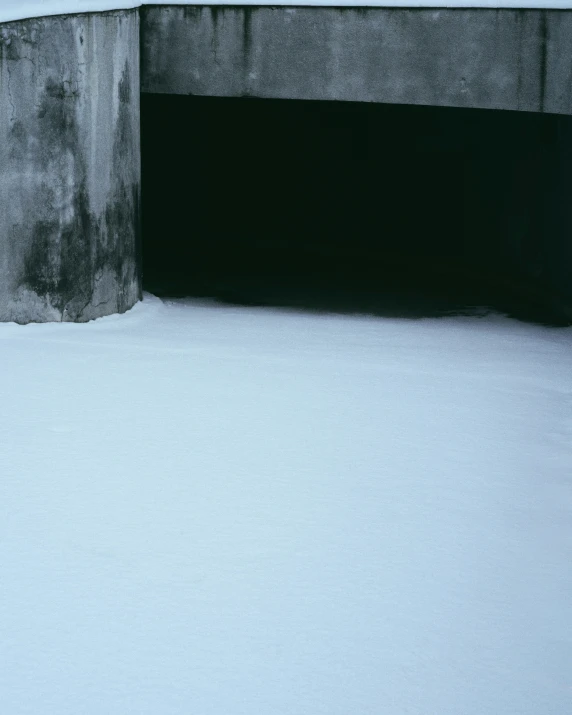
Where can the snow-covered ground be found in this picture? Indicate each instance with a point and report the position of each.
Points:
(20, 9)
(229, 511)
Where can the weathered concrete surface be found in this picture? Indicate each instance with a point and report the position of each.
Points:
(492, 59)
(69, 167)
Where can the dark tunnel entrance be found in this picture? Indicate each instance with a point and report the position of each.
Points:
(394, 210)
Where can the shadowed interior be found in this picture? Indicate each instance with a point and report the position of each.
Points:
(387, 209)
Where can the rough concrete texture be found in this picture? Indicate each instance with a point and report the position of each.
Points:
(492, 59)
(69, 167)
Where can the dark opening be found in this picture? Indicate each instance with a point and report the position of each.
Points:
(350, 206)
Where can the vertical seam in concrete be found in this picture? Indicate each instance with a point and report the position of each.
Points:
(9, 87)
(138, 208)
(543, 58)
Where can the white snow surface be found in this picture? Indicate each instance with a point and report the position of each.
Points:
(229, 511)
(20, 9)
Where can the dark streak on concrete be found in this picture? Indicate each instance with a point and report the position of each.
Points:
(247, 33)
(543, 64)
(57, 263)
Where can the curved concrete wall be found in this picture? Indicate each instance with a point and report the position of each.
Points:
(491, 59)
(70, 115)
(69, 167)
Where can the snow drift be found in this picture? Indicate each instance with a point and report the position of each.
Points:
(223, 510)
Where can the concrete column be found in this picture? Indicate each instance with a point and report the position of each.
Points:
(69, 167)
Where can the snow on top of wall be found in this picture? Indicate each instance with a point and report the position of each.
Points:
(20, 9)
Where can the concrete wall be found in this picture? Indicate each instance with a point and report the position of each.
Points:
(70, 120)
(69, 167)
(493, 59)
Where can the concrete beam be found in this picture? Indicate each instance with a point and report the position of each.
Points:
(491, 59)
